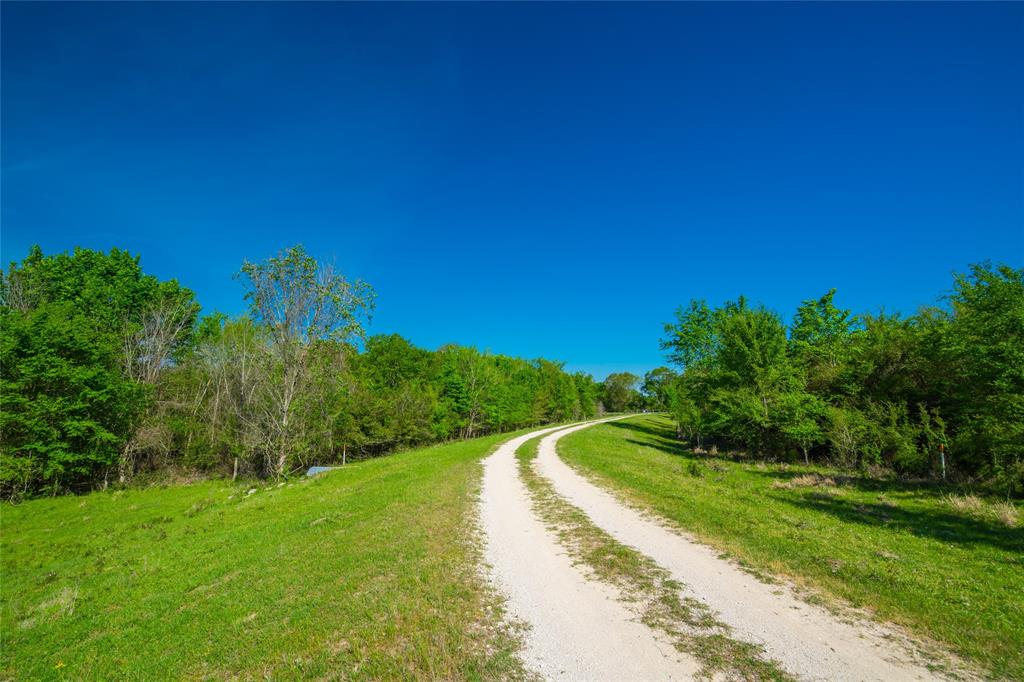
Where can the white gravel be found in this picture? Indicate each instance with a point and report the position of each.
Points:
(578, 628)
(807, 640)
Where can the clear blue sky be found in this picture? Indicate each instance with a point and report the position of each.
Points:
(531, 179)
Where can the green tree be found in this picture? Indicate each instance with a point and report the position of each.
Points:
(66, 408)
(557, 398)
(467, 378)
(752, 350)
(84, 336)
(657, 386)
(691, 416)
(820, 338)
(802, 416)
(693, 338)
(619, 392)
(587, 392)
(984, 348)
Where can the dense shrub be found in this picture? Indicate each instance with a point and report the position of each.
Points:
(867, 391)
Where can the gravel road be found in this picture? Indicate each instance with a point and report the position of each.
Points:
(580, 630)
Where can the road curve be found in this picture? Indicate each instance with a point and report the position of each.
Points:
(578, 628)
(808, 641)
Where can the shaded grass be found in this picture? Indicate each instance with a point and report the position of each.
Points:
(903, 551)
(647, 587)
(367, 572)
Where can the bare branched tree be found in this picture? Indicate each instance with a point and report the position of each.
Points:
(299, 301)
(16, 292)
(149, 345)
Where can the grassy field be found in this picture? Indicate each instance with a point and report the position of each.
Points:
(944, 564)
(366, 572)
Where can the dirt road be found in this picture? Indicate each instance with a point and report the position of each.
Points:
(580, 628)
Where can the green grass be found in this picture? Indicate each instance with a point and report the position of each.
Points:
(948, 567)
(366, 572)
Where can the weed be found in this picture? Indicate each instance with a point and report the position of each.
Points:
(1002, 512)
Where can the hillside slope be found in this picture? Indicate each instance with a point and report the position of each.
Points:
(371, 570)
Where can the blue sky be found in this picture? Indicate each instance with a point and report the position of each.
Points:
(531, 179)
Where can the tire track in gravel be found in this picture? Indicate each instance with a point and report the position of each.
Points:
(578, 629)
(807, 640)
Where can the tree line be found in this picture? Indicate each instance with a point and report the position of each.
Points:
(936, 394)
(108, 372)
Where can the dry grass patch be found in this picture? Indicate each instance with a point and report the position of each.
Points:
(1005, 513)
(965, 503)
(806, 481)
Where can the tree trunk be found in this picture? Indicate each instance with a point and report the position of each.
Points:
(282, 451)
(124, 464)
(282, 457)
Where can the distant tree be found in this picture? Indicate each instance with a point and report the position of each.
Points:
(223, 397)
(619, 391)
(751, 374)
(657, 386)
(467, 377)
(587, 393)
(821, 329)
(559, 392)
(389, 361)
(317, 409)
(850, 435)
(753, 350)
(511, 399)
(107, 370)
